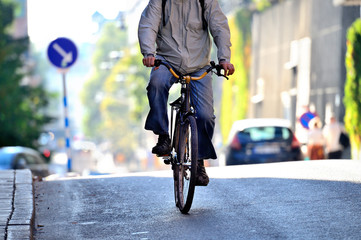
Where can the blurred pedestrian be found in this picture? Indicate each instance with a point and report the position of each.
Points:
(332, 132)
(316, 141)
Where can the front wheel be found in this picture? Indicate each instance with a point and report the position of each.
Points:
(186, 167)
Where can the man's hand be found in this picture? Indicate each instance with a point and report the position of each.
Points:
(228, 68)
(148, 61)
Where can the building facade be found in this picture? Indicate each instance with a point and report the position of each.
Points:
(298, 60)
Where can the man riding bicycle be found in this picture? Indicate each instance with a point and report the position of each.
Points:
(177, 31)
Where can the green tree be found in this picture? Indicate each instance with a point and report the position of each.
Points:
(235, 90)
(352, 99)
(115, 97)
(111, 39)
(21, 106)
(136, 77)
(235, 93)
(262, 4)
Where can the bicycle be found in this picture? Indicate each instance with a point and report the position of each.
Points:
(184, 139)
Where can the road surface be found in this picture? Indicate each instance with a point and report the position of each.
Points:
(292, 200)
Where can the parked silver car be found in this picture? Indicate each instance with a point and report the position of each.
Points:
(23, 158)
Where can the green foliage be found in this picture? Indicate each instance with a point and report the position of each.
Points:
(125, 103)
(115, 98)
(352, 99)
(91, 97)
(235, 90)
(136, 82)
(21, 117)
(111, 40)
(262, 4)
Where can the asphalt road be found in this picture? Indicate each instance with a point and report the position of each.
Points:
(295, 200)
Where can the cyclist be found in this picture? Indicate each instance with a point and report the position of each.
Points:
(177, 31)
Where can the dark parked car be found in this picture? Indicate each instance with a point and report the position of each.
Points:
(262, 140)
(23, 158)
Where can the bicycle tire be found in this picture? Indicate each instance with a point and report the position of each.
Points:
(175, 160)
(186, 170)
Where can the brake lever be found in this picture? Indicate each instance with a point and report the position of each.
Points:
(222, 75)
(219, 68)
(157, 62)
(219, 74)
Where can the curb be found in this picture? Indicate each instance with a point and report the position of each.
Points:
(17, 212)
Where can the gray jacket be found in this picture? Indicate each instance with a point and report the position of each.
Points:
(182, 41)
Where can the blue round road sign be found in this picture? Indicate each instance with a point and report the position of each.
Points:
(62, 53)
(306, 118)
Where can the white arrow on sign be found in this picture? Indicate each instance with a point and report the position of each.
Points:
(67, 57)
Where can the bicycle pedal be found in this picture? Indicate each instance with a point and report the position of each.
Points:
(166, 161)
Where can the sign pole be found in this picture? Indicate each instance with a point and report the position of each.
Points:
(62, 53)
(66, 121)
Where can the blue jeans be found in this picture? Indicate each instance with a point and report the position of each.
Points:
(161, 80)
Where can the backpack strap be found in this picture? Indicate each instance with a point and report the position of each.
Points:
(163, 11)
(204, 21)
(205, 24)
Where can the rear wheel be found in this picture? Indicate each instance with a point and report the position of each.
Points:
(186, 169)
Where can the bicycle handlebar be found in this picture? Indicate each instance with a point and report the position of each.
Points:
(188, 78)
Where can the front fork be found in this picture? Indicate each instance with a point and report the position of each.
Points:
(180, 109)
(172, 158)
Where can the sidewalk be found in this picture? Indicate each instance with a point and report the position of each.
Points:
(16, 204)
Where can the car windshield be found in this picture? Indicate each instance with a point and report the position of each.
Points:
(256, 134)
(5, 160)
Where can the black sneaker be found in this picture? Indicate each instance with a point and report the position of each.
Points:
(202, 177)
(163, 147)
